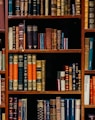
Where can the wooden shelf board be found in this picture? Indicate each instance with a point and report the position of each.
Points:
(44, 92)
(2, 72)
(46, 51)
(89, 71)
(89, 106)
(44, 17)
(89, 30)
(2, 30)
(2, 106)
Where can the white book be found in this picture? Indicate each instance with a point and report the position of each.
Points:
(10, 38)
(86, 89)
(77, 109)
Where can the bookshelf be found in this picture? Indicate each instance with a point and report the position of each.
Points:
(68, 54)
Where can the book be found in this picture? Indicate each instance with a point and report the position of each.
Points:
(2, 18)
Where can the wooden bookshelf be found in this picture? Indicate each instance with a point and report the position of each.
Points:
(73, 26)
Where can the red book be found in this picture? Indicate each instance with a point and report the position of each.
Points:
(93, 87)
(1, 14)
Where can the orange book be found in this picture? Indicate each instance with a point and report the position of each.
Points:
(93, 89)
(91, 92)
(2, 14)
(30, 72)
(15, 73)
(34, 71)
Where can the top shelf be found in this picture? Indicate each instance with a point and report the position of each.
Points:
(44, 17)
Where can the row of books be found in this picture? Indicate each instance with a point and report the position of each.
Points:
(31, 39)
(58, 109)
(26, 72)
(89, 90)
(17, 108)
(89, 14)
(70, 78)
(2, 114)
(41, 7)
(2, 90)
(89, 41)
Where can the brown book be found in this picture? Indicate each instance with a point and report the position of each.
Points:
(2, 14)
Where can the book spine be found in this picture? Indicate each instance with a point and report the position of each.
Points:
(42, 7)
(34, 7)
(39, 76)
(62, 80)
(52, 109)
(42, 41)
(3, 59)
(35, 38)
(66, 77)
(93, 87)
(15, 112)
(77, 5)
(58, 7)
(19, 109)
(24, 109)
(10, 108)
(67, 109)
(10, 38)
(3, 91)
(15, 73)
(70, 77)
(72, 109)
(46, 7)
(0, 90)
(86, 89)
(47, 110)
(43, 74)
(2, 24)
(91, 16)
(40, 108)
(38, 7)
(90, 54)
(58, 39)
(29, 36)
(30, 75)
(48, 38)
(11, 71)
(25, 7)
(91, 91)
(86, 14)
(21, 36)
(25, 72)
(17, 38)
(62, 7)
(34, 71)
(17, 7)
(21, 7)
(29, 7)
(58, 108)
(77, 109)
(20, 72)
(74, 76)
(44, 102)
(62, 102)
(53, 7)
(10, 7)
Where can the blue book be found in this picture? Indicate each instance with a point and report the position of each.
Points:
(10, 7)
(38, 7)
(29, 7)
(72, 109)
(42, 41)
(47, 110)
(34, 7)
(62, 41)
(67, 116)
(90, 53)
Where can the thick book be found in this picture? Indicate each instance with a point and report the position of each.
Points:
(2, 24)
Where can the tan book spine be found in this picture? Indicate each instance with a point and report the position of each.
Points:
(46, 7)
(53, 7)
(58, 7)
(39, 74)
(3, 116)
(87, 41)
(42, 7)
(22, 7)
(10, 38)
(26, 7)
(86, 15)
(62, 7)
(17, 38)
(17, 5)
(70, 78)
(58, 108)
(43, 74)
